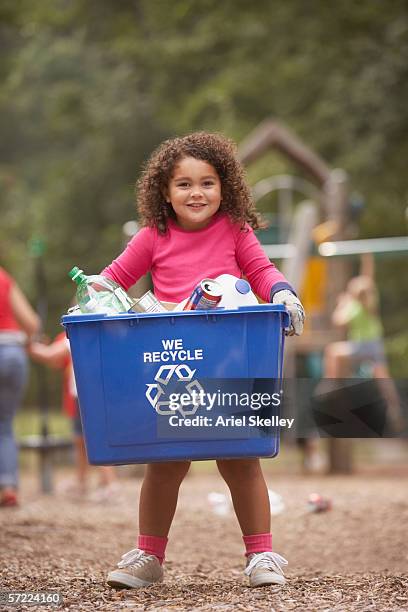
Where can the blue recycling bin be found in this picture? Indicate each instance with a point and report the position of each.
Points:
(196, 385)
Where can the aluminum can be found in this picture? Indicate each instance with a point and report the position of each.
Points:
(149, 303)
(318, 503)
(206, 295)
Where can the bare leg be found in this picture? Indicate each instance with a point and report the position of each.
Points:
(158, 497)
(81, 458)
(249, 493)
(337, 360)
(107, 475)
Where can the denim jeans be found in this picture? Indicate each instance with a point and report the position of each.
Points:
(13, 377)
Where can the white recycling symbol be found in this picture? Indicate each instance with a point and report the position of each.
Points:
(162, 378)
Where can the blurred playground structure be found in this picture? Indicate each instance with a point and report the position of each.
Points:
(313, 242)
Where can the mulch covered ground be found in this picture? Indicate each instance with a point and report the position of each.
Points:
(354, 557)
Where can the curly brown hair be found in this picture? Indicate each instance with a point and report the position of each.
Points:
(215, 149)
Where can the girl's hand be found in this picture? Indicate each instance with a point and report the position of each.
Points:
(295, 309)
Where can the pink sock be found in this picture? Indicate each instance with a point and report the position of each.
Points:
(259, 542)
(153, 545)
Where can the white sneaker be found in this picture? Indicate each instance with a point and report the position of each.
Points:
(136, 569)
(265, 568)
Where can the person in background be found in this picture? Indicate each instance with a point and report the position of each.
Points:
(58, 355)
(358, 310)
(18, 323)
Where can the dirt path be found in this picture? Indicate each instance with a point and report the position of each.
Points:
(352, 558)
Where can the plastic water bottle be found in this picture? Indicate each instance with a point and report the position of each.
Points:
(235, 292)
(99, 295)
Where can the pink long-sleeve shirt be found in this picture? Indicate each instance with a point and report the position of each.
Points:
(180, 259)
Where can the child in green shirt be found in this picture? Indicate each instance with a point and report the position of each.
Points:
(357, 309)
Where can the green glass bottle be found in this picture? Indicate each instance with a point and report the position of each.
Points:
(98, 294)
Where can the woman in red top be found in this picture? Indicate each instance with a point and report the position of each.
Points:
(18, 322)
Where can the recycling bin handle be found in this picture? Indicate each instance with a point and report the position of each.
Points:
(282, 346)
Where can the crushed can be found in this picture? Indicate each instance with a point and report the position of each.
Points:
(148, 303)
(318, 503)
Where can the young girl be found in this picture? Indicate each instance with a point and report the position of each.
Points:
(198, 220)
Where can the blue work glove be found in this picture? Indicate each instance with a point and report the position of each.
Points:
(295, 309)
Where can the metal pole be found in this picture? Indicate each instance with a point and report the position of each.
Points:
(45, 466)
(375, 246)
(337, 208)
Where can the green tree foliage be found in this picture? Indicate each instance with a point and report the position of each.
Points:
(77, 126)
(89, 88)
